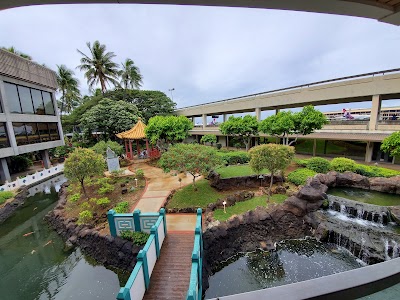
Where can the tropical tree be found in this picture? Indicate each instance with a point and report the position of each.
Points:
(68, 86)
(15, 51)
(110, 117)
(244, 128)
(130, 75)
(287, 123)
(98, 66)
(170, 129)
(391, 144)
(81, 164)
(194, 159)
(209, 138)
(272, 157)
(101, 147)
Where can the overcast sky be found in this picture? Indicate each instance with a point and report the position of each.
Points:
(206, 53)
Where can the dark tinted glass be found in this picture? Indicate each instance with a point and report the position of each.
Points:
(53, 128)
(4, 142)
(25, 99)
(20, 133)
(32, 132)
(37, 102)
(44, 132)
(12, 97)
(48, 103)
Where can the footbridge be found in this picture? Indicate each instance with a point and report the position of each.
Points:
(375, 87)
(387, 11)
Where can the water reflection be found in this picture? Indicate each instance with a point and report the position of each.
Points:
(34, 263)
(371, 197)
(293, 261)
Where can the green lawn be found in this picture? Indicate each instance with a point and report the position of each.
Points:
(241, 207)
(236, 171)
(187, 197)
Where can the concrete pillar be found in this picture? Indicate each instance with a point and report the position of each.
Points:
(314, 151)
(369, 150)
(258, 114)
(277, 110)
(4, 172)
(375, 112)
(46, 158)
(194, 121)
(224, 118)
(204, 121)
(227, 142)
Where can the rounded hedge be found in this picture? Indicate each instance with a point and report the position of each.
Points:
(318, 164)
(300, 176)
(341, 164)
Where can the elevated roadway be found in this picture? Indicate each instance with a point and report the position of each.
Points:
(387, 11)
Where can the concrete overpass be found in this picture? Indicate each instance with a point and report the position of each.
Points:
(387, 11)
(375, 87)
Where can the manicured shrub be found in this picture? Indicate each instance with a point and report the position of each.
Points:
(101, 147)
(105, 189)
(74, 197)
(383, 172)
(299, 176)
(122, 207)
(138, 238)
(102, 181)
(85, 206)
(365, 170)
(4, 195)
(301, 162)
(139, 173)
(234, 157)
(318, 164)
(104, 202)
(341, 164)
(85, 217)
(20, 163)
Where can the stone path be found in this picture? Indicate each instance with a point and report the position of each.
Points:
(159, 186)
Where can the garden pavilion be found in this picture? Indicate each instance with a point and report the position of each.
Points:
(135, 133)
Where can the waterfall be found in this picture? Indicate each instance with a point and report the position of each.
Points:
(343, 209)
(396, 249)
(386, 243)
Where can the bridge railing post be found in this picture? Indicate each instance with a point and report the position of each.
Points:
(164, 215)
(142, 256)
(124, 294)
(154, 230)
(136, 220)
(111, 222)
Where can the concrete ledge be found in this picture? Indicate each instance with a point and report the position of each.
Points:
(347, 285)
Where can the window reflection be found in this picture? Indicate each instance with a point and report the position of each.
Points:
(12, 97)
(48, 103)
(37, 102)
(4, 142)
(20, 134)
(25, 99)
(33, 133)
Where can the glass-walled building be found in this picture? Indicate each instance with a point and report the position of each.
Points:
(29, 119)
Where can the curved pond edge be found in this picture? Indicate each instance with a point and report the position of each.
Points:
(107, 250)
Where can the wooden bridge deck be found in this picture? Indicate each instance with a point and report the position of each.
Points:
(171, 275)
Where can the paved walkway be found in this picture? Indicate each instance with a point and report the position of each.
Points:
(159, 186)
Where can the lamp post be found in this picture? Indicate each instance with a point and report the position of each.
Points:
(261, 177)
(172, 96)
(224, 204)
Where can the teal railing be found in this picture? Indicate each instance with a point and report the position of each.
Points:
(195, 286)
(153, 223)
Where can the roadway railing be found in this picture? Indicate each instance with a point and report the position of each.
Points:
(139, 280)
(195, 290)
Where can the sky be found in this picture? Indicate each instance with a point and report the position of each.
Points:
(207, 53)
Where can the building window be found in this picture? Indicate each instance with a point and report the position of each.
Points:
(4, 141)
(33, 133)
(12, 97)
(26, 100)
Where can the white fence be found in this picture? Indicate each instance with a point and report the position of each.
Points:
(32, 179)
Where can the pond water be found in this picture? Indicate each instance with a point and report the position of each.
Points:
(371, 197)
(293, 261)
(36, 266)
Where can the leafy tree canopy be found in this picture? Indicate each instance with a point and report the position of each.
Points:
(209, 138)
(83, 163)
(110, 117)
(244, 128)
(192, 158)
(391, 144)
(273, 157)
(286, 123)
(170, 129)
(101, 148)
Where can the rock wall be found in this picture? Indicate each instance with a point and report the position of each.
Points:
(240, 182)
(10, 207)
(107, 250)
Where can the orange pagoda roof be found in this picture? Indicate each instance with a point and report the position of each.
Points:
(135, 133)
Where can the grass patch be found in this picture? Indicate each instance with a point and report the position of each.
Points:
(242, 207)
(237, 171)
(187, 197)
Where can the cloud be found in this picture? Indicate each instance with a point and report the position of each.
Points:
(206, 53)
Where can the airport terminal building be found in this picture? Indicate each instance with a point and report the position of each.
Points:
(29, 119)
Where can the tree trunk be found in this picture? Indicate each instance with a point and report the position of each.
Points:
(270, 187)
(62, 102)
(194, 182)
(83, 188)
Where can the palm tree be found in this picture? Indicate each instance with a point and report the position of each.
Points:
(99, 67)
(15, 51)
(68, 85)
(130, 75)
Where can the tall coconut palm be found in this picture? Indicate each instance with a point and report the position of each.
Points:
(68, 86)
(99, 67)
(130, 75)
(15, 51)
